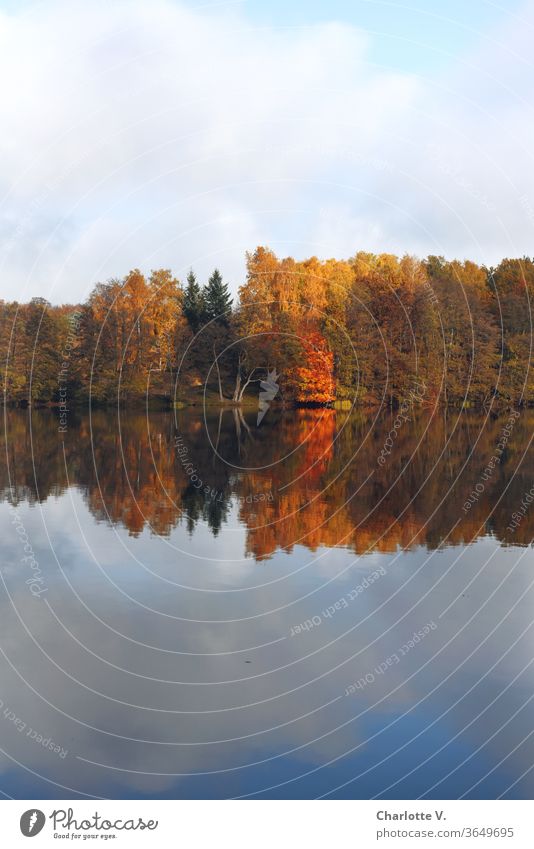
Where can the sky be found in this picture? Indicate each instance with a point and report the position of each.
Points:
(182, 134)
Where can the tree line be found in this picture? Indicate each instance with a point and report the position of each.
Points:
(374, 329)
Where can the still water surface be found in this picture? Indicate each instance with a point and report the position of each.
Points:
(326, 605)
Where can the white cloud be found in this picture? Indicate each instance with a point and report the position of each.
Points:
(141, 134)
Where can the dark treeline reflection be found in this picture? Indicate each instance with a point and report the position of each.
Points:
(305, 477)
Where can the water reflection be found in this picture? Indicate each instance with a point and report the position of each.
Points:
(305, 477)
(357, 631)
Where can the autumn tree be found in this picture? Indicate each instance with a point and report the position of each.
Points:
(369, 330)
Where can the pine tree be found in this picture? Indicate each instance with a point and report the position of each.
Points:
(218, 303)
(193, 303)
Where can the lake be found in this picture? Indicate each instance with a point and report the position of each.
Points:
(330, 604)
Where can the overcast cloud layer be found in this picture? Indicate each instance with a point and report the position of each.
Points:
(149, 134)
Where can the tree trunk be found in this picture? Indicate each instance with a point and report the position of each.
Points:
(237, 385)
(248, 380)
(221, 397)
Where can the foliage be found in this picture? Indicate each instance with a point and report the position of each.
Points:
(368, 329)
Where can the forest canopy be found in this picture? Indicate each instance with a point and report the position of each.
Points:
(372, 329)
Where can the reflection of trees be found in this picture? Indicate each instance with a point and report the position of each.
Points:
(321, 467)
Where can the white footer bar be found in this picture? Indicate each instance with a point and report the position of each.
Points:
(268, 824)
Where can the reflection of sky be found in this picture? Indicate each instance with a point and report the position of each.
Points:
(115, 648)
